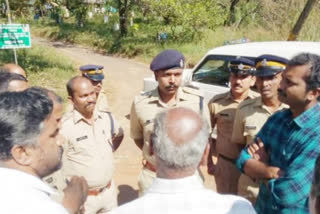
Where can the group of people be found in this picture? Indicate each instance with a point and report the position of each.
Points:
(266, 142)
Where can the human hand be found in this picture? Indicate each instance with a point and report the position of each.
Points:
(274, 172)
(75, 194)
(257, 151)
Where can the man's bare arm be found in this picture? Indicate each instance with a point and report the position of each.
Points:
(259, 170)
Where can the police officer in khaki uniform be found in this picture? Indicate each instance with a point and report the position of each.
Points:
(222, 111)
(252, 114)
(167, 67)
(95, 74)
(92, 136)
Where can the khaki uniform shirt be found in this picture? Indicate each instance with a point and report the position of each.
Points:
(101, 103)
(89, 149)
(222, 110)
(146, 106)
(250, 117)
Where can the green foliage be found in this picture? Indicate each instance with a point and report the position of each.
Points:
(186, 19)
(44, 66)
(18, 8)
(246, 12)
(79, 9)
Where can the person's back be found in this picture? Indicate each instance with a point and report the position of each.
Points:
(186, 195)
(180, 145)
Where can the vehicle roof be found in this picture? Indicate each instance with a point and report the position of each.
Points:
(280, 48)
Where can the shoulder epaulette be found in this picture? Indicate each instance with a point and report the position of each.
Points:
(143, 96)
(219, 96)
(193, 91)
(247, 103)
(66, 116)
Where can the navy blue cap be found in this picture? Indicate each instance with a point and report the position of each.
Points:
(242, 66)
(93, 72)
(167, 59)
(269, 65)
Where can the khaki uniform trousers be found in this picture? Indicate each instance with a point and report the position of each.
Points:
(103, 202)
(248, 188)
(226, 176)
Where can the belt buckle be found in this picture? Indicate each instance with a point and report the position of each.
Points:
(96, 192)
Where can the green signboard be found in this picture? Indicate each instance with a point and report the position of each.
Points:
(14, 36)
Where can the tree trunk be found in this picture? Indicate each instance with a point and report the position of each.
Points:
(123, 17)
(231, 17)
(302, 18)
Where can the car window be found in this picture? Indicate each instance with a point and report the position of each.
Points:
(213, 70)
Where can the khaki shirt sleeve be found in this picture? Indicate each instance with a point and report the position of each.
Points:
(206, 115)
(213, 119)
(238, 128)
(136, 129)
(118, 130)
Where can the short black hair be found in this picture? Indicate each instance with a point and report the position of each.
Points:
(6, 78)
(21, 117)
(313, 60)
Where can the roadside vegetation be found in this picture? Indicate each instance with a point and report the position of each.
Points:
(44, 66)
(141, 28)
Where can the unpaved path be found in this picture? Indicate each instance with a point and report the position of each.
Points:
(124, 80)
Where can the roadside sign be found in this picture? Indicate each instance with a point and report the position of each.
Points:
(14, 36)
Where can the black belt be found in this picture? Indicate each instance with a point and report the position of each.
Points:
(227, 159)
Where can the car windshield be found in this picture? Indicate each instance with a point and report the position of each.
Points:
(214, 70)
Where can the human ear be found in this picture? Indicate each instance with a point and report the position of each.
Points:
(253, 81)
(22, 155)
(313, 94)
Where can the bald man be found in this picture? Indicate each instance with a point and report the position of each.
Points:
(180, 145)
(13, 68)
(12, 82)
(91, 136)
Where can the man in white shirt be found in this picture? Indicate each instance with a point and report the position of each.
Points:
(29, 152)
(180, 144)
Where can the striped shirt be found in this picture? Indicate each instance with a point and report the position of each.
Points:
(292, 145)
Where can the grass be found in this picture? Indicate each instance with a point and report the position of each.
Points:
(143, 45)
(44, 67)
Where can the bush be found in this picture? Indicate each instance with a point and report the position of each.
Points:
(44, 66)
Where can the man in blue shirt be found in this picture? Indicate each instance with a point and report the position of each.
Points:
(284, 153)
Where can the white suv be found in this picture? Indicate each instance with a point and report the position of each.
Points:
(211, 73)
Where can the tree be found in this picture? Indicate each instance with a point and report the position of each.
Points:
(231, 13)
(79, 9)
(302, 18)
(186, 18)
(124, 7)
(17, 7)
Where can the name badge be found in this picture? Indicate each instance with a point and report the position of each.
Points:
(82, 138)
(251, 127)
(224, 114)
(49, 180)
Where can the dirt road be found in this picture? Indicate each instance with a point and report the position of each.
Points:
(124, 80)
